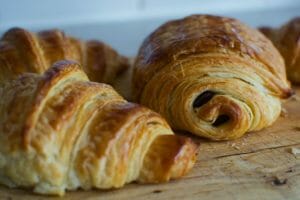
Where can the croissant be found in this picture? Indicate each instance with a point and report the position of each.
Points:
(212, 76)
(287, 40)
(22, 51)
(59, 131)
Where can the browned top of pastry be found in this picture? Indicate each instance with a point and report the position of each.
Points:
(71, 133)
(290, 29)
(287, 40)
(200, 34)
(24, 51)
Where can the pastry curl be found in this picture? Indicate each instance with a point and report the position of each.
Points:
(59, 131)
(287, 40)
(23, 51)
(212, 76)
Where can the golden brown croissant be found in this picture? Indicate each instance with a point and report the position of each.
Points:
(287, 40)
(23, 51)
(212, 76)
(59, 131)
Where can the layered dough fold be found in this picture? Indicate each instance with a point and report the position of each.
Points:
(24, 51)
(59, 131)
(287, 40)
(212, 76)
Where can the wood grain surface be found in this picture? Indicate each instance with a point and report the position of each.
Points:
(260, 165)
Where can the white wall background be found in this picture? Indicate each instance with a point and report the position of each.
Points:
(125, 23)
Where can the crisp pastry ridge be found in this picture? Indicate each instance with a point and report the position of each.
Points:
(212, 76)
(59, 131)
(287, 40)
(24, 51)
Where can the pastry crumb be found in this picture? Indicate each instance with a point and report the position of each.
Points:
(279, 181)
(234, 146)
(295, 98)
(295, 151)
(284, 112)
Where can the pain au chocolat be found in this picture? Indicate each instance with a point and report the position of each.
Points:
(287, 40)
(212, 76)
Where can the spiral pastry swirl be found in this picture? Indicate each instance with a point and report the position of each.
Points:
(212, 76)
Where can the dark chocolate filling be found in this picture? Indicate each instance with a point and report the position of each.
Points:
(203, 98)
(221, 120)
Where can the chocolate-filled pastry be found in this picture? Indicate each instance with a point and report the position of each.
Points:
(212, 76)
(287, 40)
(59, 131)
(23, 51)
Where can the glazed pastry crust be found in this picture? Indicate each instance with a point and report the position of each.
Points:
(23, 51)
(241, 69)
(59, 131)
(287, 40)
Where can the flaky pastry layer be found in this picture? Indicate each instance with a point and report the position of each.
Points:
(59, 131)
(212, 76)
(287, 40)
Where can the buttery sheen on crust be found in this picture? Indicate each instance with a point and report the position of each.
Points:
(287, 40)
(23, 51)
(212, 76)
(59, 131)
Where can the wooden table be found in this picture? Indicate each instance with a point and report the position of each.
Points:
(260, 165)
